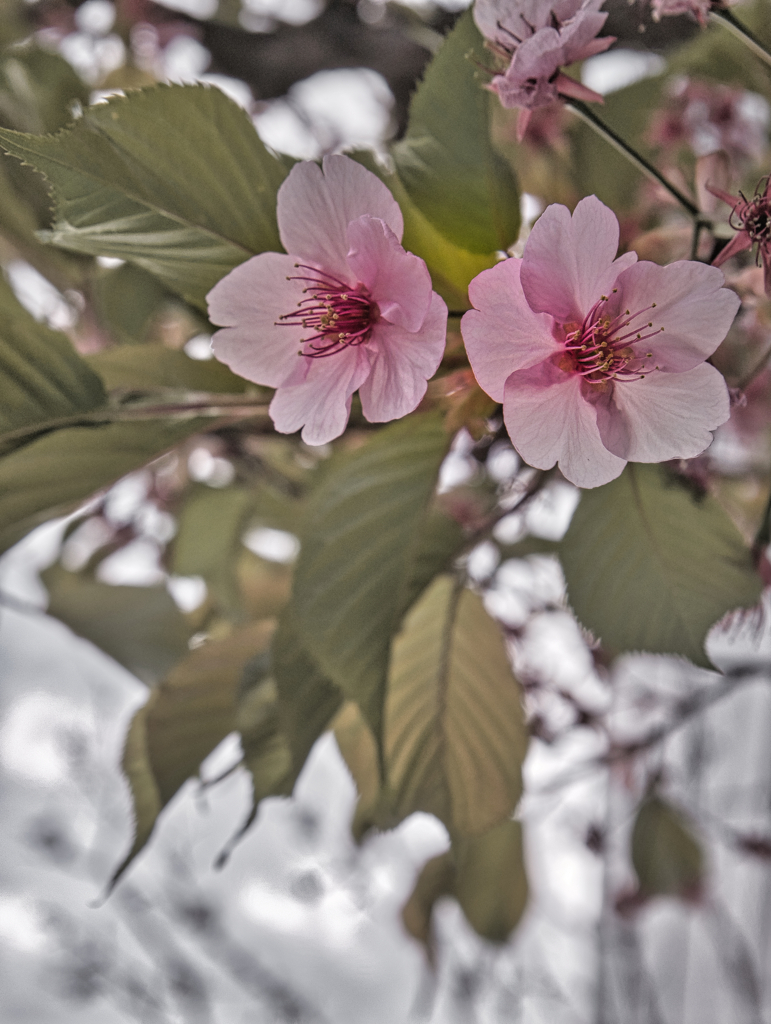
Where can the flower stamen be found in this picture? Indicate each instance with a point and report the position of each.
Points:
(601, 352)
(340, 316)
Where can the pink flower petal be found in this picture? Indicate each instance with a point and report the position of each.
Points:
(549, 420)
(502, 333)
(398, 281)
(569, 262)
(316, 205)
(248, 303)
(691, 306)
(321, 403)
(664, 415)
(740, 242)
(403, 363)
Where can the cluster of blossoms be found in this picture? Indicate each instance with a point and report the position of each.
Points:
(708, 117)
(596, 360)
(534, 40)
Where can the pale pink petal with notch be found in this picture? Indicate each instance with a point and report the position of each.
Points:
(398, 281)
(248, 302)
(402, 364)
(666, 415)
(321, 403)
(549, 421)
(316, 205)
(502, 333)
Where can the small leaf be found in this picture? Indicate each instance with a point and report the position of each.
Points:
(486, 874)
(191, 712)
(42, 378)
(52, 475)
(150, 367)
(667, 858)
(140, 627)
(362, 529)
(447, 164)
(173, 178)
(650, 567)
(454, 732)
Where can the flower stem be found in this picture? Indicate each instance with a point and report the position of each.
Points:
(588, 115)
(728, 21)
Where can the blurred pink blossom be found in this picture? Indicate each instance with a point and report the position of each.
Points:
(348, 310)
(536, 38)
(699, 9)
(597, 360)
(751, 218)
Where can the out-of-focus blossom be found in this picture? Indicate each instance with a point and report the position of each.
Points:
(751, 219)
(534, 40)
(699, 9)
(348, 310)
(707, 117)
(599, 360)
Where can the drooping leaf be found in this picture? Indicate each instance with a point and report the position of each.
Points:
(42, 378)
(362, 528)
(140, 627)
(454, 732)
(186, 717)
(666, 856)
(172, 178)
(52, 475)
(307, 700)
(446, 160)
(150, 367)
(486, 874)
(650, 567)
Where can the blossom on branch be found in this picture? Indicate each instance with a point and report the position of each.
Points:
(698, 9)
(534, 40)
(597, 360)
(348, 310)
(751, 219)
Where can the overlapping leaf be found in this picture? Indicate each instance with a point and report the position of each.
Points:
(447, 162)
(42, 378)
(362, 529)
(172, 178)
(140, 627)
(650, 566)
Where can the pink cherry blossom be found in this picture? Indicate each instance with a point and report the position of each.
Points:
(535, 39)
(698, 9)
(597, 360)
(751, 219)
(348, 310)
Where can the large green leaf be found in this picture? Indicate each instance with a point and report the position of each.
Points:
(128, 302)
(193, 710)
(486, 874)
(454, 732)
(650, 566)
(150, 367)
(447, 162)
(42, 378)
(52, 475)
(173, 178)
(361, 531)
(665, 855)
(140, 627)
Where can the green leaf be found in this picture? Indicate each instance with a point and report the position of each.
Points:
(362, 528)
(52, 475)
(173, 178)
(441, 541)
(37, 89)
(192, 711)
(486, 874)
(650, 566)
(150, 367)
(665, 855)
(454, 732)
(140, 627)
(447, 162)
(127, 301)
(307, 700)
(42, 378)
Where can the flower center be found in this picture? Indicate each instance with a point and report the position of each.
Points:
(600, 349)
(754, 216)
(336, 315)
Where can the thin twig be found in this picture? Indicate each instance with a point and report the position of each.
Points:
(735, 27)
